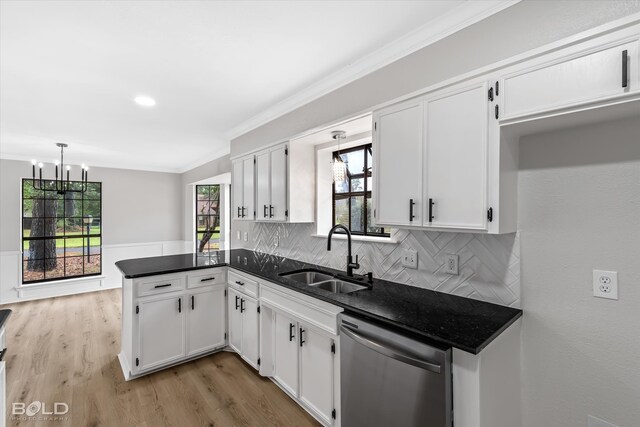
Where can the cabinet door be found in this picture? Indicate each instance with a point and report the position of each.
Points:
(316, 372)
(237, 187)
(248, 188)
(279, 183)
(250, 328)
(235, 321)
(456, 126)
(285, 352)
(263, 186)
(587, 77)
(161, 331)
(398, 165)
(206, 323)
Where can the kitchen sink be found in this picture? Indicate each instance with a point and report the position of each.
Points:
(338, 286)
(322, 280)
(307, 277)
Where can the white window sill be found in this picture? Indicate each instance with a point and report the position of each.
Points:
(62, 282)
(372, 239)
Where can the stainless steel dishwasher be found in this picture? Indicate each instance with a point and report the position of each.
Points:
(390, 380)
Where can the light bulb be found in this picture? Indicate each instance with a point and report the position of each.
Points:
(56, 162)
(34, 161)
(82, 166)
(86, 168)
(68, 167)
(40, 164)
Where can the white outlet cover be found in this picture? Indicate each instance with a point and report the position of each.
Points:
(597, 422)
(451, 263)
(605, 284)
(410, 259)
(246, 236)
(239, 235)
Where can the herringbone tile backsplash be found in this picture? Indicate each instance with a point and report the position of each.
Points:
(489, 264)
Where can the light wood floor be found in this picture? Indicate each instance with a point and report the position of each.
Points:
(64, 350)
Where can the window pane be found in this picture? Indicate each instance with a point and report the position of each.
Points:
(28, 192)
(92, 264)
(355, 161)
(357, 184)
(357, 214)
(342, 212)
(74, 266)
(32, 270)
(370, 228)
(202, 191)
(94, 191)
(342, 187)
(91, 207)
(211, 245)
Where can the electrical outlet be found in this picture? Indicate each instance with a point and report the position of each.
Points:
(246, 236)
(276, 240)
(451, 263)
(410, 259)
(605, 284)
(597, 422)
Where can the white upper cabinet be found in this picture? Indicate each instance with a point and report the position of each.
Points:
(243, 184)
(584, 76)
(455, 171)
(271, 178)
(397, 164)
(285, 183)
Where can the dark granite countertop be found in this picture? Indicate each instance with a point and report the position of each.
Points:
(4, 315)
(434, 317)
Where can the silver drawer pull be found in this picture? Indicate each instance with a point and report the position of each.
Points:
(162, 286)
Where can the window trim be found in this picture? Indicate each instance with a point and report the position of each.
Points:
(366, 192)
(23, 239)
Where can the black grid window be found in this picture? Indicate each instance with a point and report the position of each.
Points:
(207, 218)
(352, 204)
(61, 233)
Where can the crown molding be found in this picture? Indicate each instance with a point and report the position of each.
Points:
(461, 17)
(207, 158)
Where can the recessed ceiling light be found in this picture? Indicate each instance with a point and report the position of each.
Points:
(145, 101)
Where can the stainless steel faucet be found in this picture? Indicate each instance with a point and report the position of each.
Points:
(350, 264)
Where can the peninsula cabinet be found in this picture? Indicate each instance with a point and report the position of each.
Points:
(243, 187)
(171, 318)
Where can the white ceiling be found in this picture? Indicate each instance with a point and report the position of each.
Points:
(69, 70)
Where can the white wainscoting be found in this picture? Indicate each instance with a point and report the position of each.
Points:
(12, 290)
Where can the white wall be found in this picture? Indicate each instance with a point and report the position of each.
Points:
(579, 210)
(519, 28)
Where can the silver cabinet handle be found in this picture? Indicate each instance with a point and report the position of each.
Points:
(390, 352)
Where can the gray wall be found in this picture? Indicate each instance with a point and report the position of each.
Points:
(137, 206)
(579, 210)
(524, 26)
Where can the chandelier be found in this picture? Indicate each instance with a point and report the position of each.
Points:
(339, 165)
(62, 186)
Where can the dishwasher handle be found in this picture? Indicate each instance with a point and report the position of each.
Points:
(390, 352)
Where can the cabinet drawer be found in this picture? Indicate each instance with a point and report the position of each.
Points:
(212, 276)
(158, 285)
(243, 284)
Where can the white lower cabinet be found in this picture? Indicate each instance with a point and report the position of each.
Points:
(285, 352)
(161, 331)
(168, 319)
(317, 352)
(299, 350)
(206, 320)
(243, 326)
